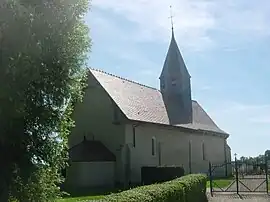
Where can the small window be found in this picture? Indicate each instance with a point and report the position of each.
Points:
(173, 82)
(190, 156)
(154, 146)
(189, 148)
(203, 151)
(162, 84)
(134, 136)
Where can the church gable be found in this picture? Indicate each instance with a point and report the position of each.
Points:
(142, 103)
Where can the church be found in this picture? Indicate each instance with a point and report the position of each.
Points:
(122, 125)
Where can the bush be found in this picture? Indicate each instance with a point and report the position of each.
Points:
(195, 187)
(151, 175)
(189, 188)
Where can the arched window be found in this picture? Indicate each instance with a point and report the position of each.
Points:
(190, 155)
(134, 136)
(162, 83)
(154, 146)
(203, 151)
(173, 82)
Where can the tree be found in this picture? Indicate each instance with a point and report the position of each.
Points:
(267, 155)
(43, 49)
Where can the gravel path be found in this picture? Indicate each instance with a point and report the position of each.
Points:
(239, 198)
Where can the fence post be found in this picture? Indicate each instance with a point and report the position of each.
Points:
(210, 178)
(236, 176)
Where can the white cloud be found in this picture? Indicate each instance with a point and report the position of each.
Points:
(205, 88)
(246, 113)
(118, 26)
(193, 19)
(245, 122)
(262, 120)
(243, 107)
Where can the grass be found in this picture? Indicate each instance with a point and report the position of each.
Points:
(86, 194)
(222, 183)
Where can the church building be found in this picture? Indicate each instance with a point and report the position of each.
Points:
(122, 125)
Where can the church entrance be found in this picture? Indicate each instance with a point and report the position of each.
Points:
(239, 177)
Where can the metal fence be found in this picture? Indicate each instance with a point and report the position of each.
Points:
(239, 177)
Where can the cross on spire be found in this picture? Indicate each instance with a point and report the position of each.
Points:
(171, 16)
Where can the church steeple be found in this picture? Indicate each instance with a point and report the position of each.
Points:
(174, 63)
(175, 84)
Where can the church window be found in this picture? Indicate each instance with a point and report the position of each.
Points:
(203, 151)
(154, 147)
(134, 136)
(190, 156)
(162, 84)
(173, 82)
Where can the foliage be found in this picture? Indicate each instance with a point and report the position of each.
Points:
(40, 186)
(195, 187)
(83, 198)
(43, 47)
(255, 160)
(189, 188)
(267, 154)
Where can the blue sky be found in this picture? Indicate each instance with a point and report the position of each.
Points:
(226, 47)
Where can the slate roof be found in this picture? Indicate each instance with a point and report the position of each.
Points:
(90, 151)
(174, 62)
(143, 103)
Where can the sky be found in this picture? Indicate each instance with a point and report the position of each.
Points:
(225, 45)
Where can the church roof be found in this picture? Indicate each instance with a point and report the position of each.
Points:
(143, 103)
(174, 62)
(90, 151)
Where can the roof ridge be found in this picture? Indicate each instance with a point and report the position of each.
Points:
(122, 78)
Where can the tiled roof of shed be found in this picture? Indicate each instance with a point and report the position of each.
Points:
(143, 103)
(89, 151)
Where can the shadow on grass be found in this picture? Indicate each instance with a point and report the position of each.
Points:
(88, 193)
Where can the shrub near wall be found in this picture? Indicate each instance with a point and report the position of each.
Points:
(189, 188)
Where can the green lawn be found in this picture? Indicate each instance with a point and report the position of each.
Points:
(84, 198)
(222, 183)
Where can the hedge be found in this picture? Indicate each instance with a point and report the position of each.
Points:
(190, 188)
(158, 174)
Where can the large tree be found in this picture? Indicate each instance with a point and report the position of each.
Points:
(43, 49)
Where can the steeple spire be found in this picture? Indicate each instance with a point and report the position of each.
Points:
(171, 17)
(175, 85)
(174, 63)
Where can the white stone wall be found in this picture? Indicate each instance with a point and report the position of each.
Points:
(174, 149)
(91, 174)
(94, 119)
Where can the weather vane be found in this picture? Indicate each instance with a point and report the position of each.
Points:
(171, 16)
